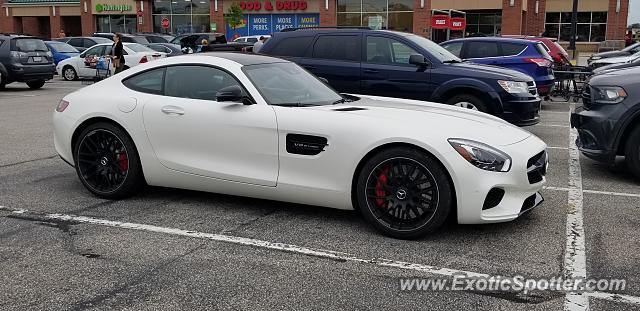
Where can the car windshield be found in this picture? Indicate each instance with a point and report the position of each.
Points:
(434, 49)
(286, 84)
(63, 47)
(30, 45)
(99, 40)
(138, 47)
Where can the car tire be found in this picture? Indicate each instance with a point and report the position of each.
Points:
(107, 162)
(632, 152)
(34, 85)
(69, 74)
(468, 101)
(404, 193)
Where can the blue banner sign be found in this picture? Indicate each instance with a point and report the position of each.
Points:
(265, 24)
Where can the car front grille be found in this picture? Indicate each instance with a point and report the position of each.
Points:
(537, 167)
(586, 97)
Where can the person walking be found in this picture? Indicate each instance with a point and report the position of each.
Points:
(258, 45)
(62, 34)
(117, 53)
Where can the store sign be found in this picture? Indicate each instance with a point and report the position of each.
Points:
(266, 24)
(458, 23)
(113, 8)
(440, 21)
(164, 23)
(275, 6)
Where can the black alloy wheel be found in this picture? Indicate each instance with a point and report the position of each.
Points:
(404, 193)
(107, 162)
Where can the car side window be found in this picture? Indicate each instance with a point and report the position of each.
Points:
(293, 46)
(75, 42)
(97, 50)
(196, 82)
(455, 48)
(252, 40)
(87, 43)
(337, 47)
(107, 50)
(147, 82)
(158, 48)
(511, 49)
(481, 49)
(382, 50)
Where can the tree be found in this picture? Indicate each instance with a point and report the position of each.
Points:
(234, 16)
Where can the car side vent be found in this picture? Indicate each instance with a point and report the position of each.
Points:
(350, 109)
(305, 144)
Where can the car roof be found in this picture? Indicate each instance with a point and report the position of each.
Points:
(244, 59)
(495, 39)
(293, 31)
(84, 37)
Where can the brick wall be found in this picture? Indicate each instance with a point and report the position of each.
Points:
(512, 17)
(7, 22)
(87, 20)
(534, 23)
(36, 26)
(617, 22)
(218, 17)
(54, 22)
(147, 18)
(328, 17)
(422, 18)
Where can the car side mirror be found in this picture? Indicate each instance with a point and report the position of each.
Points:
(231, 93)
(418, 60)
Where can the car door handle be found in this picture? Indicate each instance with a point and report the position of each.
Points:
(172, 110)
(371, 71)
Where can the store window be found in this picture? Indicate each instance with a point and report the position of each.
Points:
(116, 23)
(377, 14)
(591, 27)
(184, 16)
(483, 23)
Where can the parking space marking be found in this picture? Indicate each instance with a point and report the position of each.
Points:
(575, 259)
(619, 194)
(552, 125)
(557, 148)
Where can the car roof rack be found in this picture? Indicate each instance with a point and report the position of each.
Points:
(326, 27)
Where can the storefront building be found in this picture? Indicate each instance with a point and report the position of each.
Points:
(598, 20)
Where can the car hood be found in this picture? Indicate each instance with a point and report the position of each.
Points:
(495, 71)
(616, 60)
(460, 122)
(619, 77)
(610, 54)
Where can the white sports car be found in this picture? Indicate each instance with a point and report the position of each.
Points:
(263, 127)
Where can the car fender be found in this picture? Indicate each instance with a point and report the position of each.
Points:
(469, 83)
(5, 74)
(625, 126)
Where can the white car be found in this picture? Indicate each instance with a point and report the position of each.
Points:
(263, 127)
(615, 60)
(134, 54)
(250, 39)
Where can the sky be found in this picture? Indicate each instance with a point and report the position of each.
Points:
(634, 12)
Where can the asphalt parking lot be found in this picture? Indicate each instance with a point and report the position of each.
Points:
(62, 248)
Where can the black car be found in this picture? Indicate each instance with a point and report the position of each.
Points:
(156, 37)
(395, 64)
(125, 37)
(83, 43)
(25, 59)
(632, 49)
(169, 48)
(608, 122)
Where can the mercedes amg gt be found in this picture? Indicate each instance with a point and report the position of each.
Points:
(264, 127)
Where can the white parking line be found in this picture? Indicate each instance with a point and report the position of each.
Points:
(552, 125)
(619, 194)
(575, 259)
(557, 148)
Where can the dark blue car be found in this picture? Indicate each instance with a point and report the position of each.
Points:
(61, 50)
(526, 56)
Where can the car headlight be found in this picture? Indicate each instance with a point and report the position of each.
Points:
(514, 87)
(608, 95)
(481, 155)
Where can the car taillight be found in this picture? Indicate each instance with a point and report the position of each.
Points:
(143, 59)
(542, 62)
(62, 105)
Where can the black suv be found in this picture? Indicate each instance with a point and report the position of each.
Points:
(25, 59)
(403, 65)
(608, 122)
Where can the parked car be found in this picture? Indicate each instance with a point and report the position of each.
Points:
(212, 37)
(405, 165)
(156, 37)
(83, 43)
(608, 122)
(632, 49)
(168, 48)
(61, 50)
(125, 37)
(402, 65)
(25, 59)
(250, 39)
(217, 42)
(529, 57)
(557, 52)
(607, 68)
(134, 54)
(614, 60)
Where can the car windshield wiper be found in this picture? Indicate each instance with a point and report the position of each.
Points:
(340, 101)
(451, 61)
(292, 105)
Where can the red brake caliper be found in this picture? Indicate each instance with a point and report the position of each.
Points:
(123, 162)
(382, 182)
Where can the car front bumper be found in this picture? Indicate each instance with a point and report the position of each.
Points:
(596, 131)
(522, 111)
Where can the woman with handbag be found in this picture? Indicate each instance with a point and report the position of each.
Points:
(116, 52)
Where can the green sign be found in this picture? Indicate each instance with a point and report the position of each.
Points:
(113, 7)
(214, 27)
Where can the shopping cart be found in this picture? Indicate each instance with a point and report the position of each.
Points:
(102, 65)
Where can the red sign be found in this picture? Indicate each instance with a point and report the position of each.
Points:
(164, 23)
(140, 14)
(268, 6)
(458, 23)
(440, 21)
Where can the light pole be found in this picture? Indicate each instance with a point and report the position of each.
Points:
(574, 28)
